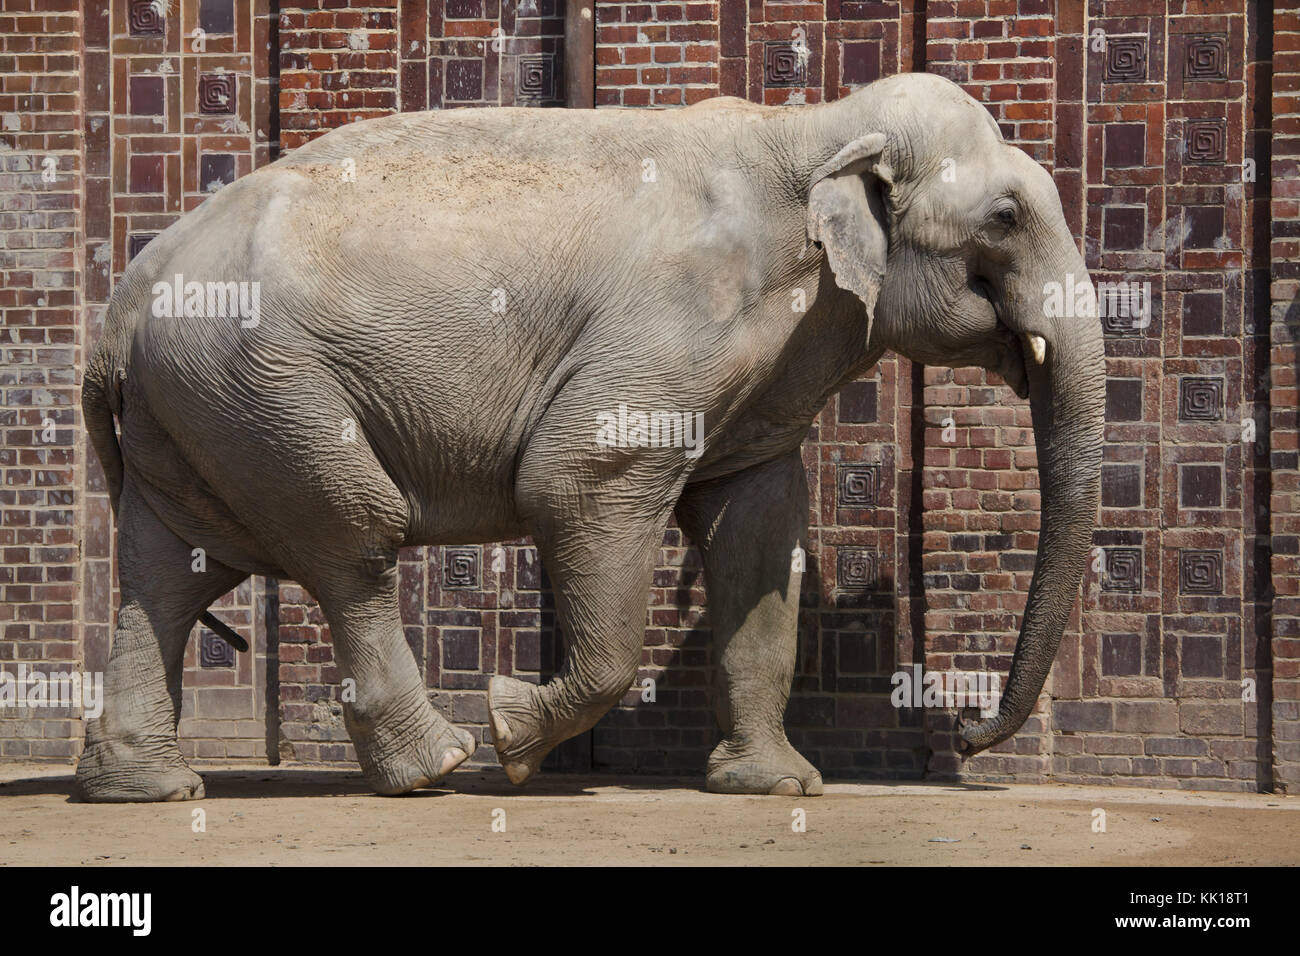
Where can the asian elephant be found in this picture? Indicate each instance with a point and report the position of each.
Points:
(441, 316)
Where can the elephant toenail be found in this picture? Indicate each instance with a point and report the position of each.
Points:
(451, 759)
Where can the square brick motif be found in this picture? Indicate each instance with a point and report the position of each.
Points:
(1121, 655)
(217, 93)
(465, 80)
(1200, 572)
(136, 242)
(1126, 60)
(783, 66)
(1124, 227)
(860, 62)
(1207, 57)
(858, 403)
(145, 174)
(460, 567)
(1126, 145)
(460, 649)
(528, 651)
(856, 653)
(1202, 655)
(535, 78)
(216, 170)
(1203, 313)
(143, 19)
(1206, 142)
(1123, 399)
(1200, 399)
(1200, 486)
(1121, 486)
(213, 651)
(1123, 570)
(856, 568)
(146, 96)
(859, 485)
(1204, 227)
(217, 16)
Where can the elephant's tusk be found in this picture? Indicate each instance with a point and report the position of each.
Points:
(1038, 348)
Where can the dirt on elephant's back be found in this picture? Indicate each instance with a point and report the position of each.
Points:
(309, 816)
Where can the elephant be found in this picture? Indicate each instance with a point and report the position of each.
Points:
(442, 315)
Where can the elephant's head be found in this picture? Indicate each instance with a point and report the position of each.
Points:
(957, 244)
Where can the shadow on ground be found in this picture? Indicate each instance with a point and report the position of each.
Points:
(266, 783)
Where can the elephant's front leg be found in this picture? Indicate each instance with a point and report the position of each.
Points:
(748, 527)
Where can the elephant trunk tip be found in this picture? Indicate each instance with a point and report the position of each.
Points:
(973, 737)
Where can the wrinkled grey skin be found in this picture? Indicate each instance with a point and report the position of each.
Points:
(477, 426)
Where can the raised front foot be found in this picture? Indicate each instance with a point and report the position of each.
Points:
(768, 766)
(515, 716)
(138, 769)
(397, 764)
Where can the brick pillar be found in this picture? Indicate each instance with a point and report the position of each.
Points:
(1285, 331)
(40, 217)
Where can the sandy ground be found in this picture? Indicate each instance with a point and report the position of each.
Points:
(305, 816)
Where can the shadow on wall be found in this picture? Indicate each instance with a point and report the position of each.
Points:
(839, 715)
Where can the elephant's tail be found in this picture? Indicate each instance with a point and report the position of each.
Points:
(101, 399)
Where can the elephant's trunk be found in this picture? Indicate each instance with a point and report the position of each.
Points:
(1067, 397)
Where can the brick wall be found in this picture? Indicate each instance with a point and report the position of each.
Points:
(1151, 115)
(656, 54)
(41, 182)
(1284, 331)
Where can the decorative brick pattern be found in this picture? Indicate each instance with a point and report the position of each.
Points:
(217, 93)
(460, 568)
(144, 18)
(214, 652)
(1200, 572)
(1126, 59)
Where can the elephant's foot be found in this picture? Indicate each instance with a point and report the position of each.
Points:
(766, 765)
(139, 769)
(515, 714)
(400, 765)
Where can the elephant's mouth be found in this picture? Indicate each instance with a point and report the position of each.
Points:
(1010, 348)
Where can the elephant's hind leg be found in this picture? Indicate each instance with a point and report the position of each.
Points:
(131, 753)
(748, 527)
(402, 742)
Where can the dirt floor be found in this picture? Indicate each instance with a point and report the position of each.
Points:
(304, 816)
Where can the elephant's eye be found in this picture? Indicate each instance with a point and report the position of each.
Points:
(1006, 216)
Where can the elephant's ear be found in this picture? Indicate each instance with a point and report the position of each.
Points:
(846, 215)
